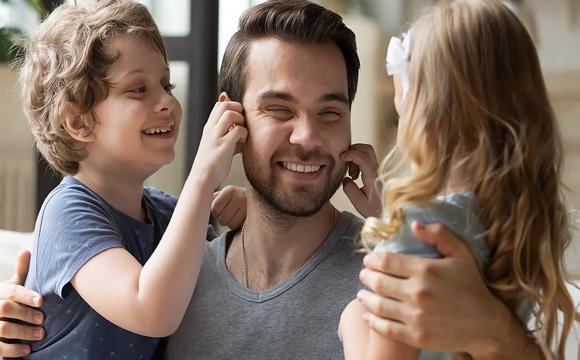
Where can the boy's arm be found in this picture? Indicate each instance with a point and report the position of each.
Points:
(463, 316)
(151, 300)
(19, 304)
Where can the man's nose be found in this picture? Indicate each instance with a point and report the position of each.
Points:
(306, 133)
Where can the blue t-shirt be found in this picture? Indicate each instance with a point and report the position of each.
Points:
(460, 213)
(75, 224)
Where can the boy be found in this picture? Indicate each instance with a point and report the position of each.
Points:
(96, 90)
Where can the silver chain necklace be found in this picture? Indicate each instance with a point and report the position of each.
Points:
(244, 247)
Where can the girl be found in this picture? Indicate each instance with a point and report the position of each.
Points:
(479, 133)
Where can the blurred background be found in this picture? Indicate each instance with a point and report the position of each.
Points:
(197, 32)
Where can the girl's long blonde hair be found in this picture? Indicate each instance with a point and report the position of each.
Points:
(478, 114)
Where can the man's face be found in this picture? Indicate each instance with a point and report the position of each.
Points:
(298, 119)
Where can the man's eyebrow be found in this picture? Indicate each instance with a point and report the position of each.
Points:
(277, 95)
(335, 97)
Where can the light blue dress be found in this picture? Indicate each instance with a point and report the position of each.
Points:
(460, 213)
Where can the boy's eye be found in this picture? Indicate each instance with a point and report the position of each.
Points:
(169, 87)
(139, 90)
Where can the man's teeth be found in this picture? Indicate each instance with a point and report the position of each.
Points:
(162, 130)
(301, 168)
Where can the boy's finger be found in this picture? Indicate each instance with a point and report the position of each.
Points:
(238, 134)
(229, 120)
(219, 203)
(237, 220)
(222, 107)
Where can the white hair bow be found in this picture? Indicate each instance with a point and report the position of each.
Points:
(398, 56)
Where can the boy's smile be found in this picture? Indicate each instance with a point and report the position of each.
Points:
(138, 122)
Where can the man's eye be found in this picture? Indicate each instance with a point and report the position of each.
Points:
(278, 110)
(330, 115)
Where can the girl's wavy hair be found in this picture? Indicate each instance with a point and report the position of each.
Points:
(67, 60)
(477, 112)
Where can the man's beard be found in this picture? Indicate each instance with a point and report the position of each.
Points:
(303, 199)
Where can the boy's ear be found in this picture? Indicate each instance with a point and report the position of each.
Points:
(78, 126)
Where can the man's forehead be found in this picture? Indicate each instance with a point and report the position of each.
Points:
(281, 69)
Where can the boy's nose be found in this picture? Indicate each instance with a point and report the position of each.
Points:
(166, 102)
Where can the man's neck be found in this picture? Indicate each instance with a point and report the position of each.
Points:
(276, 246)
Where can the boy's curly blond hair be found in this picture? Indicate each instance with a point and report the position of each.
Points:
(66, 61)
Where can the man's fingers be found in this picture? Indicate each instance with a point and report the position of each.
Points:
(388, 328)
(10, 330)
(384, 285)
(14, 350)
(382, 306)
(399, 265)
(20, 294)
(22, 264)
(444, 240)
(15, 311)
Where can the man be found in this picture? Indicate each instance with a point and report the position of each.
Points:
(276, 288)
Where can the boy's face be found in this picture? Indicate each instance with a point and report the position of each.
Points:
(138, 123)
(298, 120)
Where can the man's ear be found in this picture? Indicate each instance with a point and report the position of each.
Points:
(78, 126)
(224, 97)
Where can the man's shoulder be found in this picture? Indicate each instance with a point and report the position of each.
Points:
(353, 223)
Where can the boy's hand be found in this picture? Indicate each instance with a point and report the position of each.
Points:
(19, 303)
(223, 136)
(230, 206)
(363, 160)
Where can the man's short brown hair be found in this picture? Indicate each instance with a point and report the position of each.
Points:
(293, 21)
